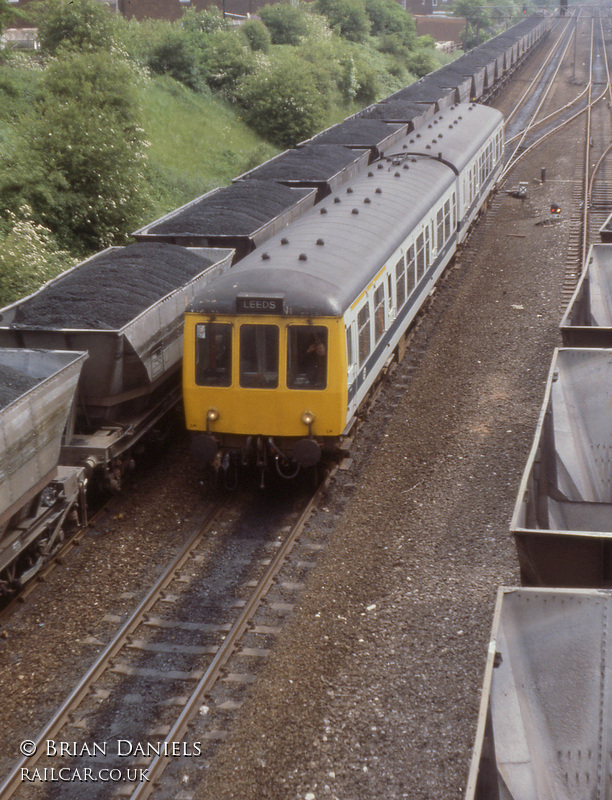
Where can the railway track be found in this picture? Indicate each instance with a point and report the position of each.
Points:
(179, 638)
(592, 193)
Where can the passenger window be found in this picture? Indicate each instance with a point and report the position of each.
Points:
(447, 220)
(363, 324)
(440, 228)
(379, 312)
(259, 356)
(420, 256)
(307, 357)
(213, 354)
(400, 282)
(411, 269)
(350, 356)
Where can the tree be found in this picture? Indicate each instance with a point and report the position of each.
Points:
(283, 103)
(175, 53)
(478, 19)
(257, 35)
(82, 172)
(227, 59)
(347, 17)
(388, 17)
(79, 24)
(287, 24)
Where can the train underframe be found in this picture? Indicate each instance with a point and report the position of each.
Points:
(34, 533)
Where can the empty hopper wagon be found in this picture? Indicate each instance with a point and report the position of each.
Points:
(587, 321)
(124, 307)
(562, 521)
(37, 392)
(546, 705)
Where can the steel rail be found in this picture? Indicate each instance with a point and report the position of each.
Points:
(609, 90)
(587, 150)
(13, 781)
(210, 677)
(531, 86)
(556, 129)
(531, 122)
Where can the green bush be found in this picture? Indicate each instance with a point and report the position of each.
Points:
(207, 21)
(287, 24)
(81, 169)
(79, 24)
(257, 35)
(228, 60)
(176, 54)
(347, 17)
(282, 102)
(29, 256)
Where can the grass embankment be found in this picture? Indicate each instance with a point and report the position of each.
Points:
(198, 142)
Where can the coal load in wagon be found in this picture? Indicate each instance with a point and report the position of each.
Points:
(396, 110)
(110, 289)
(308, 163)
(14, 383)
(237, 210)
(323, 167)
(358, 132)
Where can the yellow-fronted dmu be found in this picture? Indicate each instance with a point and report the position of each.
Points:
(282, 350)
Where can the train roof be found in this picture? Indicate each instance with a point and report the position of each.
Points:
(322, 262)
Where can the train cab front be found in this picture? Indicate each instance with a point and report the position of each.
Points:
(262, 388)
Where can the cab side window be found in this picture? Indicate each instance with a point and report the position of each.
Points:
(307, 357)
(259, 356)
(213, 354)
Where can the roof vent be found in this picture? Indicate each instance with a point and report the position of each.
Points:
(336, 199)
(303, 257)
(284, 240)
(366, 200)
(429, 126)
(320, 242)
(355, 211)
(379, 191)
(396, 175)
(404, 146)
(349, 190)
(418, 135)
(323, 211)
(381, 166)
(440, 136)
(370, 174)
(428, 147)
(412, 141)
(405, 166)
(265, 256)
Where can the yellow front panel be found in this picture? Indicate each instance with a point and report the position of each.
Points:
(272, 412)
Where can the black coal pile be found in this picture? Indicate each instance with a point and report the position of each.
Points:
(357, 131)
(236, 210)
(395, 111)
(13, 383)
(309, 163)
(112, 288)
